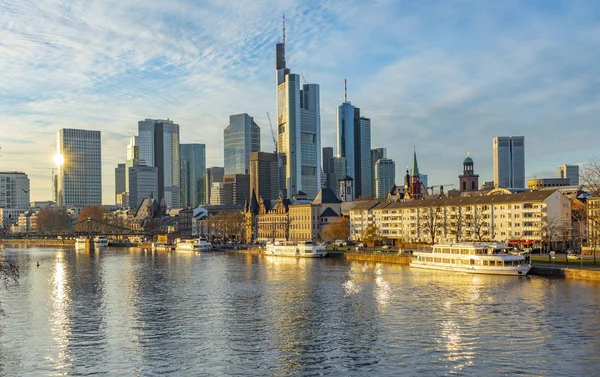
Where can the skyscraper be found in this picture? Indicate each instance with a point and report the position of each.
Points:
(376, 154)
(339, 168)
(14, 190)
(79, 181)
(385, 177)
(159, 146)
(571, 172)
(143, 184)
(354, 143)
(120, 187)
(240, 138)
(263, 175)
(133, 158)
(236, 189)
(214, 174)
(509, 162)
(193, 175)
(299, 130)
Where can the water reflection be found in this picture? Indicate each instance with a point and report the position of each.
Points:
(61, 306)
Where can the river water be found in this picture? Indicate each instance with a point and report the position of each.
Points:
(130, 312)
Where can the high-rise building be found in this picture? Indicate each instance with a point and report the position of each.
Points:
(354, 143)
(133, 158)
(159, 146)
(376, 155)
(339, 171)
(240, 138)
(424, 179)
(216, 193)
(120, 180)
(299, 131)
(263, 175)
(143, 184)
(385, 177)
(79, 181)
(14, 190)
(236, 189)
(214, 174)
(328, 167)
(571, 172)
(193, 175)
(509, 161)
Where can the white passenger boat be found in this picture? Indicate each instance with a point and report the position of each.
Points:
(473, 258)
(196, 244)
(80, 242)
(160, 246)
(305, 249)
(100, 242)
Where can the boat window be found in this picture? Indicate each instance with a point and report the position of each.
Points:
(485, 263)
(446, 260)
(499, 263)
(471, 252)
(464, 251)
(437, 260)
(455, 251)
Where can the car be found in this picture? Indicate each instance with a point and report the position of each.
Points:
(385, 248)
(340, 243)
(573, 256)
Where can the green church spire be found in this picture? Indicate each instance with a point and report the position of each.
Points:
(415, 168)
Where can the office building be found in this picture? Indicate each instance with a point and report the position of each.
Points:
(376, 155)
(193, 175)
(240, 138)
(299, 131)
(540, 183)
(509, 161)
(216, 193)
(385, 177)
(339, 171)
(236, 189)
(263, 175)
(132, 158)
(570, 172)
(79, 181)
(214, 174)
(120, 180)
(354, 144)
(159, 147)
(328, 168)
(143, 184)
(14, 190)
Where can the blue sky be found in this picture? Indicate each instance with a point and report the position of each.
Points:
(442, 76)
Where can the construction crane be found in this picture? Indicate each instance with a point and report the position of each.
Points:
(441, 187)
(303, 78)
(272, 132)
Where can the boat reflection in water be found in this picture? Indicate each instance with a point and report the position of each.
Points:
(303, 249)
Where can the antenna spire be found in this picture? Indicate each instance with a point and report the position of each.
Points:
(345, 92)
(283, 22)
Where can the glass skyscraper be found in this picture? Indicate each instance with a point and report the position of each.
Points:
(385, 177)
(509, 161)
(193, 175)
(158, 145)
(240, 138)
(80, 170)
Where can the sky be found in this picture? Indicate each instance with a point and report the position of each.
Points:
(440, 77)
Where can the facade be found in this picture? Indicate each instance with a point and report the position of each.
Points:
(213, 174)
(143, 184)
(193, 175)
(216, 194)
(263, 175)
(469, 181)
(236, 189)
(570, 172)
(339, 170)
(540, 183)
(298, 129)
(303, 222)
(509, 161)
(385, 177)
(133, 158)
(354, 144)
(240, 138)
(346, 189)
(526, 218)
(123, 199)
(14, 190)
(79, 181)
(120, 187)
(376, 155)
(159, 146)
(328, 168)
(593, 223)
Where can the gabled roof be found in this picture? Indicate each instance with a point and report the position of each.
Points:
(325, 196)
(365, 204)
(329, 213)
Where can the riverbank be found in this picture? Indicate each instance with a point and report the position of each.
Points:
(36, 242)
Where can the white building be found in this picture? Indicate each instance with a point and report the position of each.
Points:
(509, 161)
(14, 190)
(158, 143)
(216, 193)
(570, 172)
(79, 181)
(299, 131)
(527, 218)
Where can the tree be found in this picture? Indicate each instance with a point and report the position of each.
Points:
(455, 225)
(371, 236)
(50, 219)
(481, 231)
(590, 177)
(96, 212)
(337, 230)
(431, 222)
(9, 273)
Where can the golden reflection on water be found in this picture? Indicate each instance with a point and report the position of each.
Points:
(61, 305)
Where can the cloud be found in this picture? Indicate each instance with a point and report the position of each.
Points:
(445, 78)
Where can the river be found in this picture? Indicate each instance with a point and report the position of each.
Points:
(131, 312)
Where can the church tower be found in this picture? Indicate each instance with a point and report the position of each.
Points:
(415, 180)
(469, 181)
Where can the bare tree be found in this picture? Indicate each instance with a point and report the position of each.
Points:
(590, 177)
(9, 273)
(455, 225)
(481, 228)
(431, 222)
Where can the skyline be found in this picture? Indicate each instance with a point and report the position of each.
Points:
(445, 78)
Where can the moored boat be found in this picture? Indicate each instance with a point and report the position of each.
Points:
(100, 241)
(305, 249)
(80, 242)
(473, 258)
(160, 246)
(196, 244)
